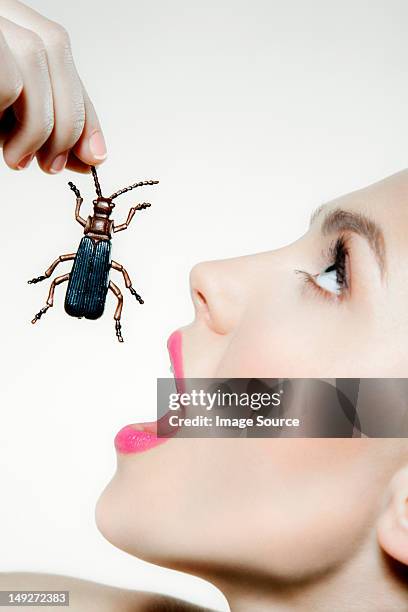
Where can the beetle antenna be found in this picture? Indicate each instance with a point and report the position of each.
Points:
(125, 189)
(96, 181)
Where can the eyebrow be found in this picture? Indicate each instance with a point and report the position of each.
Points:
(339, 220)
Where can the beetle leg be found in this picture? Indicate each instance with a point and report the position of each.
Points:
(117, 266)
(118, 311)
(39, 314)
(50, 299)
(118, 329)
(131, 214)
(79, 201)
(52, 267)
(74, 189)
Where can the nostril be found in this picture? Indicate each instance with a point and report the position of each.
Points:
(201, 298)
(201, 304)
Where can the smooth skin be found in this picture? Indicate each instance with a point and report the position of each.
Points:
(45, 110)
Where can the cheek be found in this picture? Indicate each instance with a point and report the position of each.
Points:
(301, 337)
(316, 512)
(271, 342)
(313, 501)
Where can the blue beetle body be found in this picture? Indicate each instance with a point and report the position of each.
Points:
(89, 279)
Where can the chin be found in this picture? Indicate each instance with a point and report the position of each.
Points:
(122, 524)
(138, 524)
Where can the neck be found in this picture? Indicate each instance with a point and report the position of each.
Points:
(370, 582)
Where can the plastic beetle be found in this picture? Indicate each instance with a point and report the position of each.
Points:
(88, 281)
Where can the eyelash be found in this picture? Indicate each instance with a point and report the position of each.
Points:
(338, 254)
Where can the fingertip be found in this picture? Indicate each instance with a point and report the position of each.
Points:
(56, 165)
(91, 148)
(97, 146)
(13, 162)
(25, 161)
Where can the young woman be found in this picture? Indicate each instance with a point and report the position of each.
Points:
(278, 524)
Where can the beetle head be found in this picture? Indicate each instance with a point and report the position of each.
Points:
(103, 206)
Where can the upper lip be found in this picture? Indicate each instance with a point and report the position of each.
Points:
(174, 346)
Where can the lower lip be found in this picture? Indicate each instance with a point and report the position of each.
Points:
(134, 439)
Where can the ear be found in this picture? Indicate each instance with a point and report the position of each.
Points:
(392, 527)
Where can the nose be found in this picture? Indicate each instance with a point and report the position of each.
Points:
(219, 293)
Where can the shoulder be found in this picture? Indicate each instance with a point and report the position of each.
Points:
(87, 596)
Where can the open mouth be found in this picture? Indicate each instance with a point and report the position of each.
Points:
(140, 437)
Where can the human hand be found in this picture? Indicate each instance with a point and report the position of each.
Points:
(45, 111)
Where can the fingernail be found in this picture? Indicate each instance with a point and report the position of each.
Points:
(25, 162)
(59, 163)
(97, 145)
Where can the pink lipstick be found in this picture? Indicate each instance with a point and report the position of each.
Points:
(174, 346)
(141, 437)
(137, 438)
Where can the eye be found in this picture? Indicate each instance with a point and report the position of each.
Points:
(328, 280)
(333, 281)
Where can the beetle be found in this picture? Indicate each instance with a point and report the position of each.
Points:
(88, 281)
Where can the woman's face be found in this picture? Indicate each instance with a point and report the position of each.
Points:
(258, 316)
(331, 305)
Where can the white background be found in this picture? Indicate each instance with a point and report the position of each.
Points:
(251, 113)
